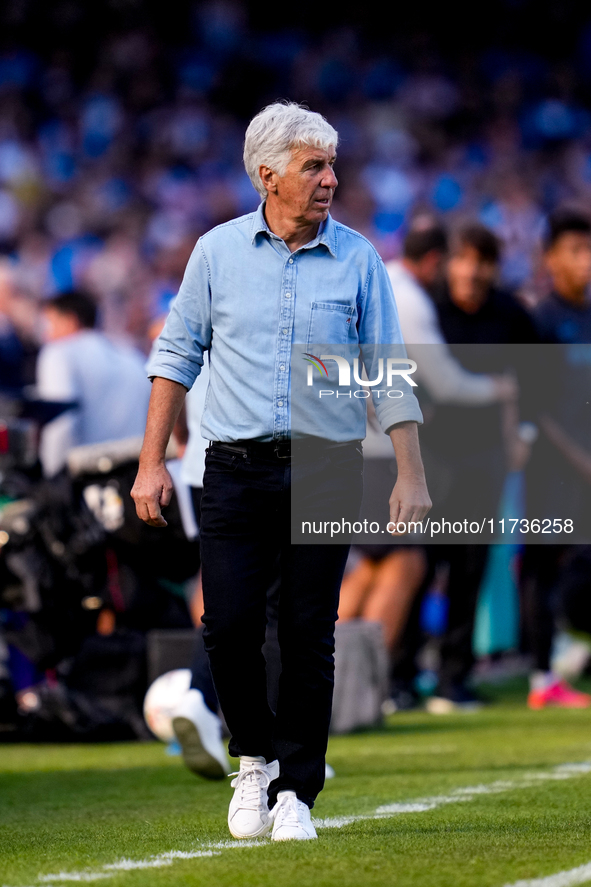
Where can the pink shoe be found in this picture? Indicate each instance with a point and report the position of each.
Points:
(558, 695)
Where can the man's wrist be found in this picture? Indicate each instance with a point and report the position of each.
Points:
(411, 475)
(404, 424)
(151, 461)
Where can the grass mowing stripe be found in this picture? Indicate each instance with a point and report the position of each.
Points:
(580, 875)
(385, 811)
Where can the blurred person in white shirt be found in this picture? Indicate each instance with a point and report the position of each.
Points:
(421, 267)
(105, 380)
(382, 583)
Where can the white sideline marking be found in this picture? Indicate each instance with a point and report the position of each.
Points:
(156, 862)
(74, 876)
(126, 865)
(561, 879)
(466, 793)
(386, 811)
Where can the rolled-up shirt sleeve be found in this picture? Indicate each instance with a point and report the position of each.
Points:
(379, 326)
(187, 331)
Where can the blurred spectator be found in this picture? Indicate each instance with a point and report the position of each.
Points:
(383, 580)
(518, 222)
(379, 586)
(555, 578)
(468, 441)
(109, 156)
(419, 270)
(17, 333)
(105, 381)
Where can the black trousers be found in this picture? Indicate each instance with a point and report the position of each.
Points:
(474, 482)
(245, 546)
(201, 678)
(466, 568)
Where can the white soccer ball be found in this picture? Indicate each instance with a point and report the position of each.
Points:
(162, 698)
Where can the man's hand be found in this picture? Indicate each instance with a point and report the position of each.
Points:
(410, 500)
(506, 387)
(153, 485)
(151, 492)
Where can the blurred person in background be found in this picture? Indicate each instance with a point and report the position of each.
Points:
(472, 310)
(18, 333)
(413, 278)
(384, 580)
(380, 585)
(555, 578)
(104, 380)
(467, 437)
(564, 316)
(443, 379)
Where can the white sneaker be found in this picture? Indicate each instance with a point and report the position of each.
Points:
(199, 733)
(291, 819)
(248, 816)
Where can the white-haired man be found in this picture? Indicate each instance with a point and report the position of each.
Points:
(284, 274)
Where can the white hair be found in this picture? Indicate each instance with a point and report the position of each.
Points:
(274, 133)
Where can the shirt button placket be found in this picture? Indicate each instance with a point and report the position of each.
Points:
(283, 350)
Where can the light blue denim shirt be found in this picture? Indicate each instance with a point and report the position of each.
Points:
(247, 298)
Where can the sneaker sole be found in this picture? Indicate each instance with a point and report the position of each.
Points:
(295, 838)
(197, 759)
(261, 832)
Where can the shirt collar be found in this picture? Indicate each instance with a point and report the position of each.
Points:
(327, 233)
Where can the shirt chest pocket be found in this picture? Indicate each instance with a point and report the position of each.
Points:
(331, 323)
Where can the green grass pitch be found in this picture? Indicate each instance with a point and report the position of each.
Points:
(485, 800)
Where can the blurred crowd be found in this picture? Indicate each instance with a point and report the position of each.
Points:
(111, 167)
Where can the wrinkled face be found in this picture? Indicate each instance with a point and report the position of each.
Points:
(569, 260)
(470, 277)
(306, 190)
